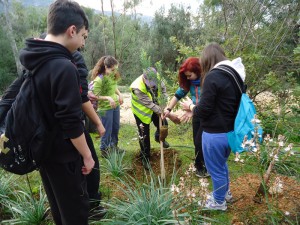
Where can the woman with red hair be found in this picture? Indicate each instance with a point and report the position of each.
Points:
(189, 78)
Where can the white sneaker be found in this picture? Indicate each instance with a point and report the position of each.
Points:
(228, 197)
(211, 204)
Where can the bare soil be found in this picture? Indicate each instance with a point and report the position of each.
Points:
(243, 210)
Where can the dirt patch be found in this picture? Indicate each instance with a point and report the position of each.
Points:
(125, 110)
(170, 160)
(245, 209)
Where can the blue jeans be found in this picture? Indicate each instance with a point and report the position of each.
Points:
(111, 123)
(216, 152)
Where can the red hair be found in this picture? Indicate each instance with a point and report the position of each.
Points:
(191, 64)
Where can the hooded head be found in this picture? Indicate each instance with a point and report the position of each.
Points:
(150, 77)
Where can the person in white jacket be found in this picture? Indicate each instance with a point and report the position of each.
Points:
(217, 110)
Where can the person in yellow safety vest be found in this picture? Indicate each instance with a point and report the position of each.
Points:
(145, 108)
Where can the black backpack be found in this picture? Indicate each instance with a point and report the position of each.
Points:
(22, 122)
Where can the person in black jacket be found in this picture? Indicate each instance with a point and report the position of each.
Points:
(58, 88)
(93, 179)
(217, 110)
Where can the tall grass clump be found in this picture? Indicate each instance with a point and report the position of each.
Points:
(5, 186)
(147, 203)
(115, 164)
(26, 209)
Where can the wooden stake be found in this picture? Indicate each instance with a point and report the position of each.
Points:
(162, 160)
(261, 190)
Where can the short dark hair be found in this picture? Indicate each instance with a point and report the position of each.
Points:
(64, 13)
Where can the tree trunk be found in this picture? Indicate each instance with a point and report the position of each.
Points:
(114, 27)
(11, 36)
(103, 30)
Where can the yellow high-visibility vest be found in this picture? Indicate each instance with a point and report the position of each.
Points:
(137, 107)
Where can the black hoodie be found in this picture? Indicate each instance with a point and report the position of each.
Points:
(57, 84)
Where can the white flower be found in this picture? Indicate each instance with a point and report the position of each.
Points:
(287, 149)
(248, 142)
(203, 182)
(280, 143)
(255, 121)
(277, 187)
(173, 187)
(192, 168)
(193, 194)
(201, 203)
(286, 213)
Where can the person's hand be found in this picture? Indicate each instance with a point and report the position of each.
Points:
(88, 165)
(174, 118)
(121, 101)
(186, 117)
(92, 96)
(101, 129)
(185, 104)
(165, 114)
(112, 103)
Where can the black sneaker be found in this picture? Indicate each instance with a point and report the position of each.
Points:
(202, 173)
(97, 213)
(165, 143)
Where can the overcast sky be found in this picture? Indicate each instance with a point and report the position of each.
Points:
(148, 7)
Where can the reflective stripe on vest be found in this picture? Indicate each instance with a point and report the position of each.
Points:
(141, 111)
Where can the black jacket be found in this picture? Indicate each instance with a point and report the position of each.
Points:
(83, 75)
(57, 84)
(219, 103)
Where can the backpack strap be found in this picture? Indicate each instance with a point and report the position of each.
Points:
(237, 81)
(235, 77)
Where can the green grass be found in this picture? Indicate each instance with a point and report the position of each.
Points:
(180, 139)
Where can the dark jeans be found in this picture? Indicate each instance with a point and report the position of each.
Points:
(111, 123)
(65, 186)
(93, 179)
(145, 134)
(197, 137)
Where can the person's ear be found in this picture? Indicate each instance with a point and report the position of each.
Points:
(72, 31)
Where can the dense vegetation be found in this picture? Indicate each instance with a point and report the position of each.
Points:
(264, 33)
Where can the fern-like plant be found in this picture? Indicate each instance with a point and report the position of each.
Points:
(115, 164)
(150, 203)
(27, 210)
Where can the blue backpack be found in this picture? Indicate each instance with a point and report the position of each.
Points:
(243, 125)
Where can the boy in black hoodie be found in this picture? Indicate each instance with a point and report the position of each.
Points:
(57, 81)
